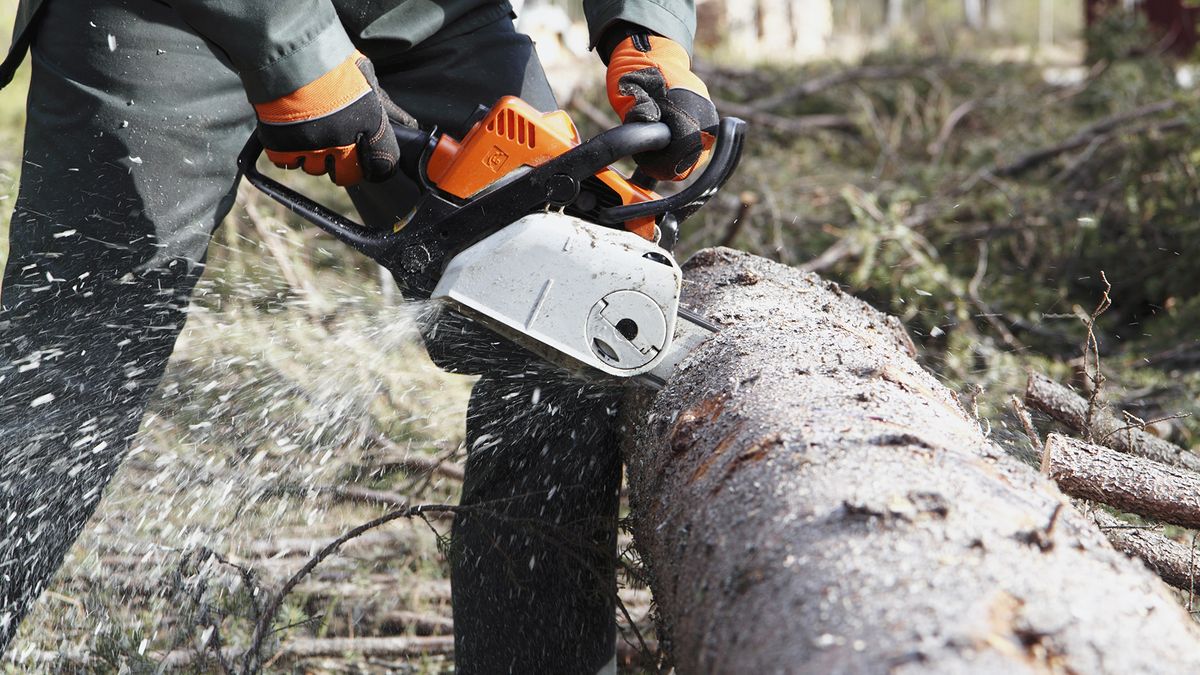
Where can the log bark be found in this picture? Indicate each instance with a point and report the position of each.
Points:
(1129, 483)
(1173, 562)
(1070, 409)
(809, 500)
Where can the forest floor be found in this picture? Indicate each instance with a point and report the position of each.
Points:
(978, 201)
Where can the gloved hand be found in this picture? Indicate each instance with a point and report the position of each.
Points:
(650, 79)
(336, 124)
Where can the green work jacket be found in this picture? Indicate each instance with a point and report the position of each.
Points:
(278, 46)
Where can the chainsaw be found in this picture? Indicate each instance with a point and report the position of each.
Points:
(524, 228)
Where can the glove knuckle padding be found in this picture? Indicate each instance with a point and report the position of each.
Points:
(333, 125)
(650, 80)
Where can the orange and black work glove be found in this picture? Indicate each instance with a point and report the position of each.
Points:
(336, 124)
(650, 79)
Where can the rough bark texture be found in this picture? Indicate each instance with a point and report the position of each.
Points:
(1069, 408)
(808, 499)
(1173, 562)
(1129, 483)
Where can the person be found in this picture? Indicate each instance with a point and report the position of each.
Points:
(136, 112)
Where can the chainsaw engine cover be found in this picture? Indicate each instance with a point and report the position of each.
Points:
(594, 296)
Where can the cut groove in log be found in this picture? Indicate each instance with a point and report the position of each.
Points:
(1173, 562)
(809, 500)
(1070, 409)
(1132, 484)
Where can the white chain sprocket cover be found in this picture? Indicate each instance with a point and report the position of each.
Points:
(600, 297)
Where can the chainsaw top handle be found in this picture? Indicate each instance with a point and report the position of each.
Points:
(415, 145)
(439, 227)
(726, 154)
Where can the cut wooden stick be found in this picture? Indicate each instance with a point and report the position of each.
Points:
(1069, 408)
(1170, 560)
(1132, 484)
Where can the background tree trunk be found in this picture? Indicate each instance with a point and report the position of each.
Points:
(895, 14)
(1172, 21)
(809, 499)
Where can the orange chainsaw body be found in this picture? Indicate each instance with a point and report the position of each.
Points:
(512, 135)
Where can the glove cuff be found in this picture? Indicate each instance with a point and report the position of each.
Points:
(617, 33)
(644, 51)
(324, 96)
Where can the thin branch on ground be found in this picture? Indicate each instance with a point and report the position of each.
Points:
(251, 662)
(1091, 348)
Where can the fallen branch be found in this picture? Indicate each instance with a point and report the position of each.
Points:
(251, 660)
(421, 624)
(841, 249)
(800, 124)
(367, 647)
(364, 647)
(1129, 483)
(1070, 409)
(817, 85)
(1080, 139)
(1173, 562)
(938, 146)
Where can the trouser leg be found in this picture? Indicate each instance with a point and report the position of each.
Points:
(132, 129)
(533, 558)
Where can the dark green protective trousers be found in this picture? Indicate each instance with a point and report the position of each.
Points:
(128, 169)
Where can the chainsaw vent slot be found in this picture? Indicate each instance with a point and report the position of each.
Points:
(514, 127)
(605, 350)
(594, 196)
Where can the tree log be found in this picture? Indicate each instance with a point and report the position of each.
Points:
(1129, 483)
(1070, 409)
(1173, 562)
(809, 500)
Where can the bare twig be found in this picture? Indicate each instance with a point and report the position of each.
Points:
(1092, 346)
(985, 310)
(1135, 422)
(938, 146)
(252, 659)
(414, 462)
(645, 650)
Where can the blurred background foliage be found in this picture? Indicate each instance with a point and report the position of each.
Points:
(970, 166)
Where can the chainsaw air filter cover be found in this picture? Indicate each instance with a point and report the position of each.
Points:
(595, 296)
